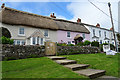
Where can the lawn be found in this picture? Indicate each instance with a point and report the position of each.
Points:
(98, 61)
(36, 68)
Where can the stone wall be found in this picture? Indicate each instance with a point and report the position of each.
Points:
(21, 51)
(66, 50)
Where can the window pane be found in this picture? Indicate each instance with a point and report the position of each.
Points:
(41, 41)
(68, 34)
(46, 33)
(23, 42)
(33, 40)
(83, 36)
(93, 32)
(69, 42)
(18, 42)
(21, 31)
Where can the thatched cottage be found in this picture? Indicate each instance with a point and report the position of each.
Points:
(30, 29)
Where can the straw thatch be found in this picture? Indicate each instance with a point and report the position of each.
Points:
(77, 36)
(12, 16)
(71, 26)
(16, 17)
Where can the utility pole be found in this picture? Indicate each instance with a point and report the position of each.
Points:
(112, 25)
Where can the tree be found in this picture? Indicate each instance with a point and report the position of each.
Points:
(5, 32)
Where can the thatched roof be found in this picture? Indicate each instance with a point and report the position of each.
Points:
(13, 16)
(16, 17)
(77, 36)
(71, 26)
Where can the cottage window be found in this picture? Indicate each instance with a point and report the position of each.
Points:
(93, 32)
(46, 33)
(21, 31)
(69, 42)
(99, 33)
(22, 42)
(41, 41)
(18, 42)
(68, 34)
(105, 34)
(33, 41)
(100, 41)
(83, 35)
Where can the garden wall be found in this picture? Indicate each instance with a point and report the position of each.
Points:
(66, 50)
(22, 51)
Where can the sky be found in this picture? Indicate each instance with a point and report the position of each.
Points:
(70, 10)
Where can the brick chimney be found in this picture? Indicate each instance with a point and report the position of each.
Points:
(3, 5)
(79, 20)
(98, 25)
(52, 15)
(111, 28)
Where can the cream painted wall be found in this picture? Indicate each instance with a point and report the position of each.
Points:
(14, 30)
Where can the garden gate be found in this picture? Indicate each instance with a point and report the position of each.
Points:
(50, 48)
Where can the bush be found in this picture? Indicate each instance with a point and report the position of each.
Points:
(112, 47)
(6, 40)
(86, 43)
(95, 44)
(9, 58)
(61, 44)
(32, 56)
(70, 45)
(80, 44)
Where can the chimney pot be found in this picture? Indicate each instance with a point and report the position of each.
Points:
(3, 5)
(98, 25)
(79, 20)
(52, 15)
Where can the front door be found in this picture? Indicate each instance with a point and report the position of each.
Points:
(50, 48)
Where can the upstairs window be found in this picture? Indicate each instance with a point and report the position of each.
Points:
(93, 32)
(99, 33)
(105, 34)
(68, 34)
(46, 33)
(21, 31)
(83, 35)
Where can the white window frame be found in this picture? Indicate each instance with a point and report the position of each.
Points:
(48, 33)
(67, 34)
(19, 32)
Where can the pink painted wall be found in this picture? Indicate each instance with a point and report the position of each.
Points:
(62, 35)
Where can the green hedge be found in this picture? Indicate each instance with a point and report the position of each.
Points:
(6, 40)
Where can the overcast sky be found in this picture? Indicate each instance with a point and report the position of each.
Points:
(70, 10)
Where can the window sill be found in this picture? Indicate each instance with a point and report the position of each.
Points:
(22, 35)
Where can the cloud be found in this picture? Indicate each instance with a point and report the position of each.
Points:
(91, 15)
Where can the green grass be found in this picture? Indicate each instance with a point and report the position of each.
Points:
(36, 68)
(98, 61)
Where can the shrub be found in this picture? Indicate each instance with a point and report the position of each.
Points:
(86, 43)
(61, 44)
(95, 44)
(80, 44)
(32, 56)
(6, 40)
(9, 58)
(70, 45)
(112, 47)
(101, 47)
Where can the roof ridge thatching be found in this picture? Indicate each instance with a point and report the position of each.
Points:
(16, 17)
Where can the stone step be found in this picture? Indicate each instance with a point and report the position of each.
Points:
(65, 62)
(107, 77)
(91, 73)
(56, 57)
(75, 67)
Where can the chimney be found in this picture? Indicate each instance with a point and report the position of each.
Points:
(98, 25)
(3, 5)
(52, 15)
(111, 28)
(79, 20)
